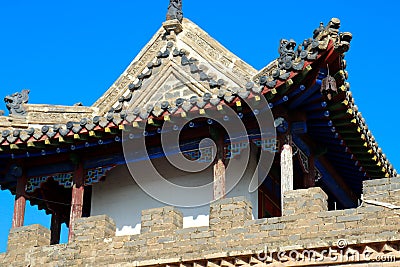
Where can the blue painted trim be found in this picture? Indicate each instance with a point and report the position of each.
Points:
(316, 106)
(299, 127)
(327, 179)
(120, 159)
(286, 98)
(51, 169)
(317, 86)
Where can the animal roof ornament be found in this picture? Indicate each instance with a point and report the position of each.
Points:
(175, 10)
(14, 102)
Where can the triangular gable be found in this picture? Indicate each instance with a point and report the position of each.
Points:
(169, 84)
(193, 58)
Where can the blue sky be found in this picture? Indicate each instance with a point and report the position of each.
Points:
(72, 51)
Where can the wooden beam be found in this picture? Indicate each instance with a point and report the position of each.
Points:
(331, 178)
(20, 203)
(77, 197)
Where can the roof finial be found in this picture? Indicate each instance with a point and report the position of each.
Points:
(14, 102)
(175, 10)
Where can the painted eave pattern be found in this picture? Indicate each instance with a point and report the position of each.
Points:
(274, 82)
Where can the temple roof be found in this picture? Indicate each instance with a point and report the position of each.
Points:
(182, 70)
(195, 62)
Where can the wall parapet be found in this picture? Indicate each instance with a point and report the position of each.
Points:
(383, 190)
(304, 201)
(29, 236)
(232, 238)
(93, 228)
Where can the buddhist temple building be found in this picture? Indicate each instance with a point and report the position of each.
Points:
(188, 123)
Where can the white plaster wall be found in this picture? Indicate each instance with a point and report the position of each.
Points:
(123, 200)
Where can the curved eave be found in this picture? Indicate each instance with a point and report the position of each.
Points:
(298, 88)
(335, 123)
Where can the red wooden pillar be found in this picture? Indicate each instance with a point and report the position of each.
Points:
(77, 197)
(20, 203)
(219, 167)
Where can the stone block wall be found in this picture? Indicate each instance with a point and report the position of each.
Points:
(230, 213)
(383, 190)
(28, 236)
(305, 201)
(163, 220)
(306, 234)
(93, 228)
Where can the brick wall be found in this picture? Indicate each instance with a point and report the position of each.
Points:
(306, 233)
(383, 190)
